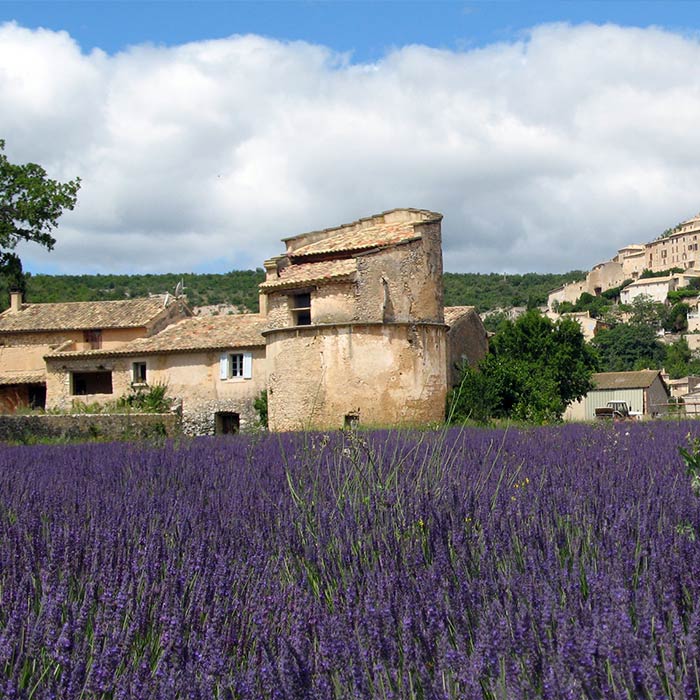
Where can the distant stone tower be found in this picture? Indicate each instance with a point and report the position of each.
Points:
(355, 328)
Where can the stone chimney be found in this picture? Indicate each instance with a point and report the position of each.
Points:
(15, 301)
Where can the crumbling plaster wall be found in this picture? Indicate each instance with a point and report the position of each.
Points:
(402, 283)
(386, 374)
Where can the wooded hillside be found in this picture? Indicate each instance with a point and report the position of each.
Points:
(240, 288)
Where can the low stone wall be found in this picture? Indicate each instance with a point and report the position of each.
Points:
(131, 426)
(199, 418)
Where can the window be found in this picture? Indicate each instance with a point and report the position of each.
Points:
(352, 420)
(138, 373)
(93, 338)
(227, 423)
(83, 383)
(301, 309)
(236, 365)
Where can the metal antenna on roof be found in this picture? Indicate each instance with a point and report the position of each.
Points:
(179, 289)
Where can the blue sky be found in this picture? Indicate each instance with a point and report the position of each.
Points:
(366, 29)
(549, 134)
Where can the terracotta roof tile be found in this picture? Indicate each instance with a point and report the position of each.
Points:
(76, 315)
(22, 377)
(312, 273)
(361, 239)
(190, 335)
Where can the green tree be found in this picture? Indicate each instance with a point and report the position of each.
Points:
(629, 346)
(646, 311)
(30, 206)
(534, 369)
(677, 318)
(677, 358)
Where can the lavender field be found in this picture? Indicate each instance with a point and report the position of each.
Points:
(555, 562)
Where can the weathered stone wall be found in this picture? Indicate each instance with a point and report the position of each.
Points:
(466, 342)
(58, 380)
(133, 426)
(199, 418)
(175, 312)
(385, 374)
(192, 378)
(605, 276)
(402, 284)
(333, 303)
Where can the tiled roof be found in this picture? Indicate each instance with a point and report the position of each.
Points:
(22, 377)
(361, 239)
(190, 335)
(648, 280)
(625, 380)
(76, 315)
(454, 313)
(311, 273)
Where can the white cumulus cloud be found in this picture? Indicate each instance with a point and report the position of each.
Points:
(544, 154)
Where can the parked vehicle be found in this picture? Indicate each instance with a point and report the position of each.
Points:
(617, 411)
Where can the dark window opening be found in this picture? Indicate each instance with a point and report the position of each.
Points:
(352, 420)
(93, 338)
(138, 372)
(301, 309)
(227, 423)
(37, 395)
(84, 383)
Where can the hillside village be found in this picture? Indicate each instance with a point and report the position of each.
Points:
(655, 271)
(351, 329)
(664, 273)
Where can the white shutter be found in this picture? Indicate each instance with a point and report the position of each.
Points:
(247, 365)
(223, 366)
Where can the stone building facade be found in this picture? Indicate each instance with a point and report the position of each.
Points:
(28, 332)
(356, 330)
(351, 330)
(213, 365)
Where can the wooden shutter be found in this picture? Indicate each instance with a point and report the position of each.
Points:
(223, 366)
(247, 365)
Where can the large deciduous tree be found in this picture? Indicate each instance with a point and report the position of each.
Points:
(535, 367)
(629, 346)
(30, 206)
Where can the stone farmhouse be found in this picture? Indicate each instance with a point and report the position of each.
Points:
(351, 329)
(28, 332)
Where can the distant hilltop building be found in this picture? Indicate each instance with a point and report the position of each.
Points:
(676, 247)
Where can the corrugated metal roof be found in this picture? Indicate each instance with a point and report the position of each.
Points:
(625, 380)
(82, 315)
